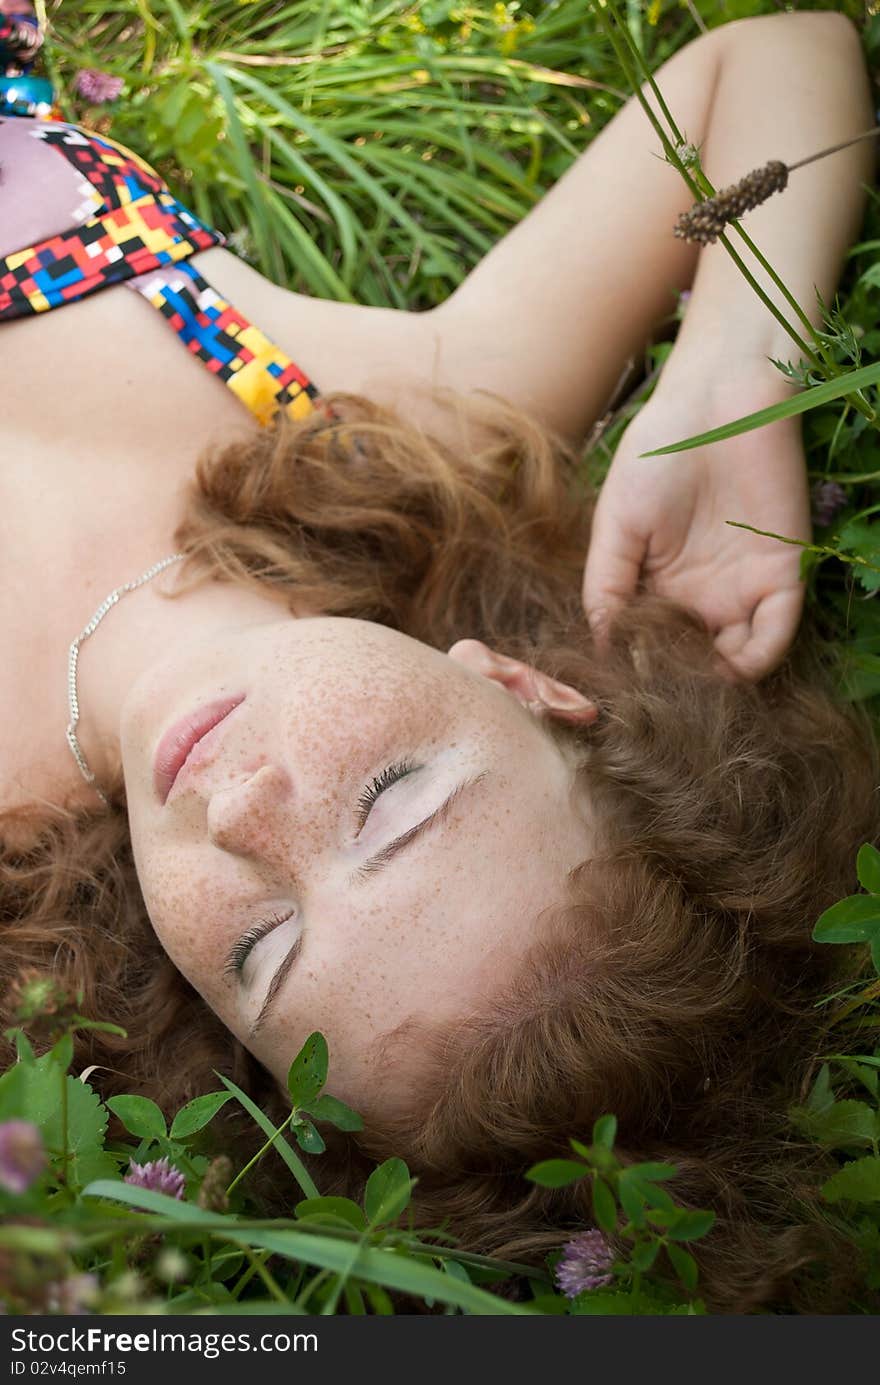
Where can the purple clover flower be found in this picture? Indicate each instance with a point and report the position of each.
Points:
(97, 86)
(22, 1155)
(828, 497)
(585, 1264)
(158, 1176)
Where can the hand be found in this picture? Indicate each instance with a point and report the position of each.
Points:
(663, 519)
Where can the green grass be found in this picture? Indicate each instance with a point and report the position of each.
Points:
(373, 152)
(401, 139)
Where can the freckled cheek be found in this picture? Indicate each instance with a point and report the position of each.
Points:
(401, 951)
(191, 921)
(353, 981)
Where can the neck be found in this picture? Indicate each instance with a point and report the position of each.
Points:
(147, 626)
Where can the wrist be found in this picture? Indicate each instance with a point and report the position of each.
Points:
(725, 374)
(717, 390)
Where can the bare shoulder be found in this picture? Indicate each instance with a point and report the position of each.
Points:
(400, 358)
(389, 355)
(340, 346)
(370, 350)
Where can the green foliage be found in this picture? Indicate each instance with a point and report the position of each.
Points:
(841, 1113)
(140, 1116)
(197, 1113)
(308, 1071)
(328, 1108)
(387, 1192)
(374, 153)
(556, 1173)
(856, 919)
(857, 1181)
(82, 1218)
(629, 1205)
(68, 1114)
(335, 1208)
(379, 173)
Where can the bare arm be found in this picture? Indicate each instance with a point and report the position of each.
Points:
(663, 521)
(550, 316)
(802, 88)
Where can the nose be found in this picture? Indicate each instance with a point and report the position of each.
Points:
(248, 817)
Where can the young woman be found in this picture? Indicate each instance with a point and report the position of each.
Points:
(516, 879)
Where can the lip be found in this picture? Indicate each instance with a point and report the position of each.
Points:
(180, 740)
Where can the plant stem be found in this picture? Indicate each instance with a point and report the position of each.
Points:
(302, 1298)
(634, 21)
(65, 1153)
(835, 148)
(259, 1154)
(852, 558)
(248, 1274)
(48, 58)
(620, 46)
(871, 993)
(259, 1267)
(302, 1175)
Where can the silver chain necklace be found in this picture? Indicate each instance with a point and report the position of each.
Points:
(73, 659)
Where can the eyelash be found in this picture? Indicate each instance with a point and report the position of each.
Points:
(382, 782)
(239, 954)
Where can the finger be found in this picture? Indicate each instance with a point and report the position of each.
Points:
(611, 574)
(757, 648)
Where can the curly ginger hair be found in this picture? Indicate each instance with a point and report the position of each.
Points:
(677, 984)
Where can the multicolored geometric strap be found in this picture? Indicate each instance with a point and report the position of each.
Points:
(105, 250)
(237, 352)
(139, 226)
(141, 235)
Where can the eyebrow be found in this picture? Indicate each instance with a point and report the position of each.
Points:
(370, 867)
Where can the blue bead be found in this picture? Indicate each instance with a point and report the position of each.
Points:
(26, 95)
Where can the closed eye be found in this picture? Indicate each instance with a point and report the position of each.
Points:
(370, 867)
(381, 858)
(243, 946)
(383, 781)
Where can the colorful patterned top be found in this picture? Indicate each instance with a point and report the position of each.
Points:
(81, 213)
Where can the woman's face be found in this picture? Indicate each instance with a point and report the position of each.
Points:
(271, 880)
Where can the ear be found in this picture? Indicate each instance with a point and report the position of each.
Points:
(535, 690)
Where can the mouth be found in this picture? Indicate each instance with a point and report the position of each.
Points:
(180, 740)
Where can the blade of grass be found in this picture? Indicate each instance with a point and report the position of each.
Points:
(293, 1161)
(344, 160)
(413, 176)
(788, 408)
(306, 258)
(854, 559)
(373, 1264)
(306, 173)
(390, 1269)
(181, 24)
(243, 161)
(319, 40)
